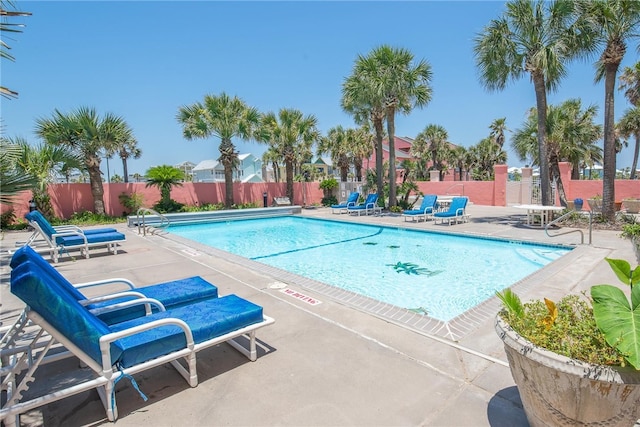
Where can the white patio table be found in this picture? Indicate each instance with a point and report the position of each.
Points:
(545, 213)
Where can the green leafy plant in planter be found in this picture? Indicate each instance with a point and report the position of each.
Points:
(607, 334)
(575, 362)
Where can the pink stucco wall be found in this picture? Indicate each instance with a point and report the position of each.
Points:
(70, 198)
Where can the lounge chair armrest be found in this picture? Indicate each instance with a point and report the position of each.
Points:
(106, 340)
(125, 304)
(63, 228)
(350, 204)
(112, 281)
(109, 297)
(459, 211)
(67, 234)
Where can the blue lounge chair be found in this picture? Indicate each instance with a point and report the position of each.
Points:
(456, 213)
(172, 294)
(116, 351)
(426, 209)
(344, 207)
(370, 205)
(70, 238)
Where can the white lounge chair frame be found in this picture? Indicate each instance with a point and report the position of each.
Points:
(54, 249)
(105, 375)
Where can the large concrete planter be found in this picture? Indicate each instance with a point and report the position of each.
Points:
(632, 206)
(558, 391)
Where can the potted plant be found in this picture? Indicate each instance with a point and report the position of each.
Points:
(595, 203)
(632, 232)
(577, 363)
(632, 205)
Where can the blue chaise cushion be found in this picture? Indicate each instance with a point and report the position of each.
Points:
(207, 319)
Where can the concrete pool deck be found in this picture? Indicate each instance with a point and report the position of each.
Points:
(331, 364)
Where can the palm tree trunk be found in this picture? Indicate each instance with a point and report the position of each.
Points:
(377, 124)
(288, 163)
(391, 130)
(228, 184)
(95, 180)
(543, 156)
(634, 163)
(609, 158)
(125, 170)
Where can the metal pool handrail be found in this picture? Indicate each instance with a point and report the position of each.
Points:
(546, 227)
(164, 221)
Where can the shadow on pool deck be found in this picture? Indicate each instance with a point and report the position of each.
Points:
(324, 365)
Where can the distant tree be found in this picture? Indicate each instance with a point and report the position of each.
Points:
(291, 134)
(629, 125)
(88, 135)
(485, 155)
(336, 143)
(223, 117)
(126, 148)
(434, 140)
(498, 128)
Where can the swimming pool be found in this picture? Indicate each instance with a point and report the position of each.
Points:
(442, 275)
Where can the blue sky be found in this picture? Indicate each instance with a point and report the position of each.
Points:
(143, 60)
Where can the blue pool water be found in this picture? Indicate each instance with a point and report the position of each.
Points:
(440, 274)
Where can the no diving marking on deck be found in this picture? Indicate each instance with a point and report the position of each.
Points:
(301, 297)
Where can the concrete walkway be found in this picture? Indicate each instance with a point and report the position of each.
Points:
(331, 364)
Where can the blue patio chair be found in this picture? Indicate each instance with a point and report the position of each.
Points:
(370, 205)
(426, 209)
(71, 237)
(115, 351)
(344, 207)
(456, 212)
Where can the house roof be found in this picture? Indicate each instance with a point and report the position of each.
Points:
(206, 165)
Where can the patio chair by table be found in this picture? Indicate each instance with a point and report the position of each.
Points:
(71, 238)
(112, 352)
(456, 212)
(426, 209)
(344, 207)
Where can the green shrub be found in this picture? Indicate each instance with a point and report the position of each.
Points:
(329, 200)
(132, 202)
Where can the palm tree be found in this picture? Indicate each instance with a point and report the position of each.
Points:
(629, 125)
(359, 99)
(571, 134)
(86, 134)
(498, 127)
(460, 157)
(43, 162)
(336, 144)
(434, 139)
(361, 147)
(126, 148)
(8, 27)
(485, 155)
(225, 118)
(400, 86)
(164, 177)
(612, 23)
(291, 134)
(271, 156)
(630, 83)
(532, 37)
(13, 180)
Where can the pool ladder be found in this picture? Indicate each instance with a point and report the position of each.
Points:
(151, 229)
(546, 227)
